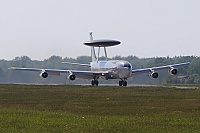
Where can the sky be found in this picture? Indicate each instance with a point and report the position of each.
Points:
(146, 28)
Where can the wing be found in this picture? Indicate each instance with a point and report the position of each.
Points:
(40, 70)
(57, 72)
(171, 68)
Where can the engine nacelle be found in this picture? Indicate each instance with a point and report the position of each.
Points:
(44, 74)
(71, 77)
(153, 75)
(173, 71)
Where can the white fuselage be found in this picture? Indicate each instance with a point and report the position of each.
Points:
(117, 69)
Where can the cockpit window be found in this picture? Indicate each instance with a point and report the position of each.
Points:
(127, 65)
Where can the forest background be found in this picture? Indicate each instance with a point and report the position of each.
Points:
(186, 75)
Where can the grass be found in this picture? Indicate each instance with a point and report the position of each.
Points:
(71, 108)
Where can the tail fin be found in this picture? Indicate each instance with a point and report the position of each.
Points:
(93, 55)
(91, 37)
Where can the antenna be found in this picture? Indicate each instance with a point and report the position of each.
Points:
(100, 43)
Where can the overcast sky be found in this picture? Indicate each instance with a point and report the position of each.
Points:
(147, 28)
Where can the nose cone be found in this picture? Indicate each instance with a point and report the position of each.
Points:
(124, 70)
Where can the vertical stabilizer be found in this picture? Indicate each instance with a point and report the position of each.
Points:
(93, 55)
(91, 37)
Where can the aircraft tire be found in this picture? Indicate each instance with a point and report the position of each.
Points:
(94, 82)
(124, 83)
(120, 83)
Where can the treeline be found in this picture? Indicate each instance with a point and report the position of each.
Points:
(186, 75)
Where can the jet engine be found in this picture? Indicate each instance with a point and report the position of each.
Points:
(44, 74)
(71, 77)
(153, 74)
(173, 71)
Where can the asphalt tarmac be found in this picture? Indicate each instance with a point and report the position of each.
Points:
(129, 85)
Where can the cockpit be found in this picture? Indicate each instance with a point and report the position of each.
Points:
(124, 64)
(128, 65)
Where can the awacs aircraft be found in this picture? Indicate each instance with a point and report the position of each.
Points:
(106, 69)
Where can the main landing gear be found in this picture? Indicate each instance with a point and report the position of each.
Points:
(95, 82)
(122, 83)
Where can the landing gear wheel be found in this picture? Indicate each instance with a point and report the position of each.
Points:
(95, 82)
(120, 83)
(124, 83)
(92, 82)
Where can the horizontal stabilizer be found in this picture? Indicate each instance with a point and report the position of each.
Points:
(78, 64)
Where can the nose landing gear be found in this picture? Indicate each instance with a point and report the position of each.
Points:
(122, 83)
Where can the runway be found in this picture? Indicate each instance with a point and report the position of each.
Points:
(164, 86)
(129, 85)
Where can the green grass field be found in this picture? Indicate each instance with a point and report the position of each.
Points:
(83, 109)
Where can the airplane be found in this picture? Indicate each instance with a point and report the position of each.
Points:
(106, 69)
